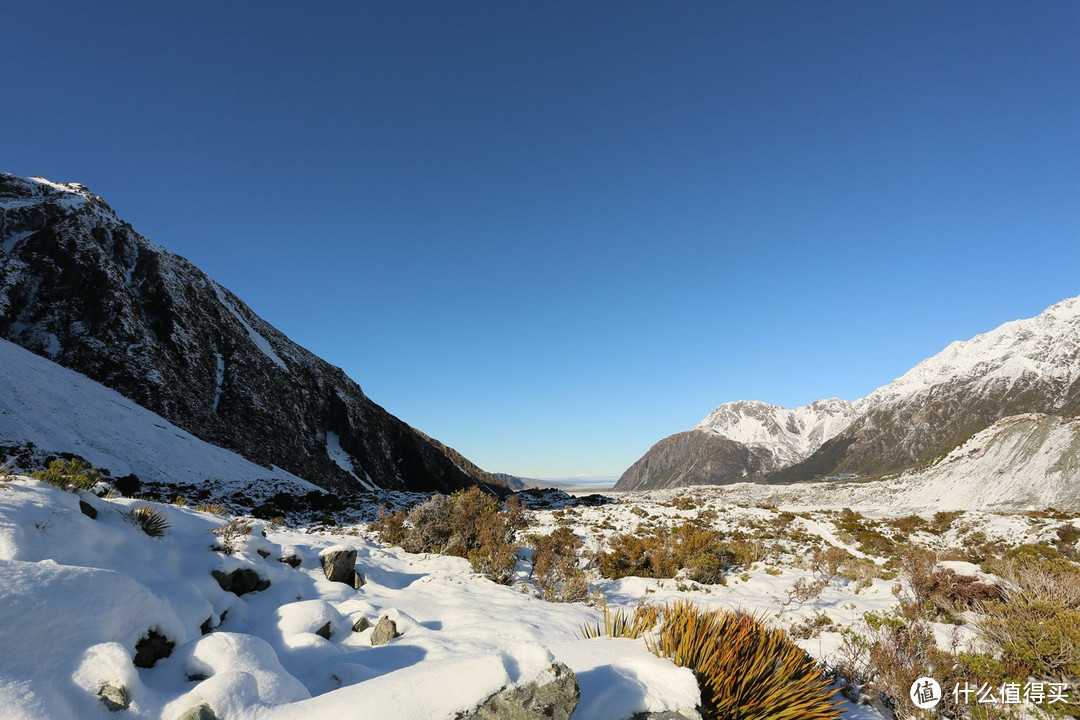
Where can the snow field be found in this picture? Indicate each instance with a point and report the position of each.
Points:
(78, 594)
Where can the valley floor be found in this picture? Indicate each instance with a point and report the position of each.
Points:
(79, 593)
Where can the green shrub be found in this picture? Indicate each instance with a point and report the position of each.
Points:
(149, 519)
(746, 670)
(74, 474)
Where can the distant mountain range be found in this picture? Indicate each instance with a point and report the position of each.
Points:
(81, 288)
(1016, 388)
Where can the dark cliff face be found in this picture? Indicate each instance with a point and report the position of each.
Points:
(81, 287)
(694, 458)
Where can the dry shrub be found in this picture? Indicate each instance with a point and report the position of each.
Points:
(1036, 624)
(209, 507)
(470, 524)
(663, 552)
(746, 669)
(390, 526)
(555, 567)
(1026, 581)
(230, 532)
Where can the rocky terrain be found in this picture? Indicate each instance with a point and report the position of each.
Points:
(81, 287)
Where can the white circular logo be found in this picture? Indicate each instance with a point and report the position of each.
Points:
(925, 693)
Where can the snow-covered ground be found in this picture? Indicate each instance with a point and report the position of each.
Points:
(78, 594)
(59, 410)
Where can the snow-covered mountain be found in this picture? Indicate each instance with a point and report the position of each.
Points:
(1021, 461)
(1024, 366)
(80, 287)
(739, 441)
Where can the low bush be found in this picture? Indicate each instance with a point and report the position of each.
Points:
(470, 524)
(229, 533)
(390, 526)
(664, 552)
(555, 567)
(71, 475)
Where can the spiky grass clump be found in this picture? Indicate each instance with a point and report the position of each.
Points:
(212, 508)
(746, 670)
(149, 519)
(623, 624)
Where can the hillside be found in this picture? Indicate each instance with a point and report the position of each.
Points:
(81, 287)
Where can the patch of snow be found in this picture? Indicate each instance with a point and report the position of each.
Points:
(343, 460)
(85, 590)
(60, 410)
(259, 341)
(16, 238)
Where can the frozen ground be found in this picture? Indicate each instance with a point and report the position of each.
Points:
(79, 594)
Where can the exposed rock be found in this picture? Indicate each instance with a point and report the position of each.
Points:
(207, 626)
(240, 581)
(87, 509)
(361, 625)
(199, 712)
(290, 560)
(114, 697)
(324, 631)
(263, 553)
(340, 566)
(555, 699)
(385, 631)
(152, 647)
(553, 498)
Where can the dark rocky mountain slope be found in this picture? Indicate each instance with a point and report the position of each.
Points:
(79, 286)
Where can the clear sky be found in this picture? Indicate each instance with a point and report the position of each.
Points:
(552, 233)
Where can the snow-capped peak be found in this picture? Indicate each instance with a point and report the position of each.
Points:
(1045, 347)
(789, 434)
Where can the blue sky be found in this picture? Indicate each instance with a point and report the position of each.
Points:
(550, 234)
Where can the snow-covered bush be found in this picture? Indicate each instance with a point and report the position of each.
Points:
(230, 532)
